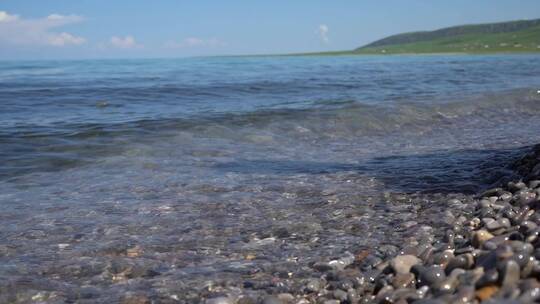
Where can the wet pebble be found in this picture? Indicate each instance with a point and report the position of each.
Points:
(340, 295)
(480, 237)
(402, 264)
(219, 300)
(431, 276)
(510, 273)
(135, 299)
(403, 280)
(272, 300)
(314, 285)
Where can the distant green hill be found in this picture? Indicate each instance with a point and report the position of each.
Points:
(515, 36)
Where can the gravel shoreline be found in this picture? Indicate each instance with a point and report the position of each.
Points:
(432, 247)
(484, 250)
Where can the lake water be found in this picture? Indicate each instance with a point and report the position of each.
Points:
(194, 164)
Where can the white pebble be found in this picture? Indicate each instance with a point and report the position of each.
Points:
(63, 246)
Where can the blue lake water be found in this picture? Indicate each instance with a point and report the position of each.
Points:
(58, 94)
(196, 161)
(48, 104)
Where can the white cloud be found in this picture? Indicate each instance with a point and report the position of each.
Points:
(127, 42)
(65, 39)
(5, 17)
(322, 31)
(15, 30)
(194, 42)
(55, 17)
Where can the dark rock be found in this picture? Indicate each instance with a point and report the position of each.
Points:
(504, 252)
(490, 277)
(526, 227)
(462, 250)
(281, 233)
(513, 186)
(430, 276)
(464, 261)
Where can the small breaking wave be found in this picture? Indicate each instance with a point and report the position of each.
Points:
(34, 148)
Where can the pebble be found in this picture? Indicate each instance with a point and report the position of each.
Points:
(402, 264)
(527, 227)
(510, 273)
(352, 296)
(486, 292)
(403, 280)
(245, 300)
(219, 300)
(281, 233)
(340, 295)
(534, 184)
(272, 300)
(313, 285)
(501, 223)
(63, 246)
(480, 237)
(135, 299)
(444, 258)
(286, 297)
(490, 277)
(134, 252)
(431, 276)
(343, 262)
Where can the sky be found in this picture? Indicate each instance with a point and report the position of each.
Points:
(78, 29)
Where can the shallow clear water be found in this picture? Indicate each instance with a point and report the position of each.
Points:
(199, 163)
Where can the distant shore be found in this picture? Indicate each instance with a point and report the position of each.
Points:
(374, 53)
(353, 53)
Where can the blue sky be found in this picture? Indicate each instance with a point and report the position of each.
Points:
(57, 29)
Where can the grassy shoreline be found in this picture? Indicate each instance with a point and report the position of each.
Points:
(352, 53)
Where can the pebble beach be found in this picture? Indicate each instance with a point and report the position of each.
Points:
(485, 250)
